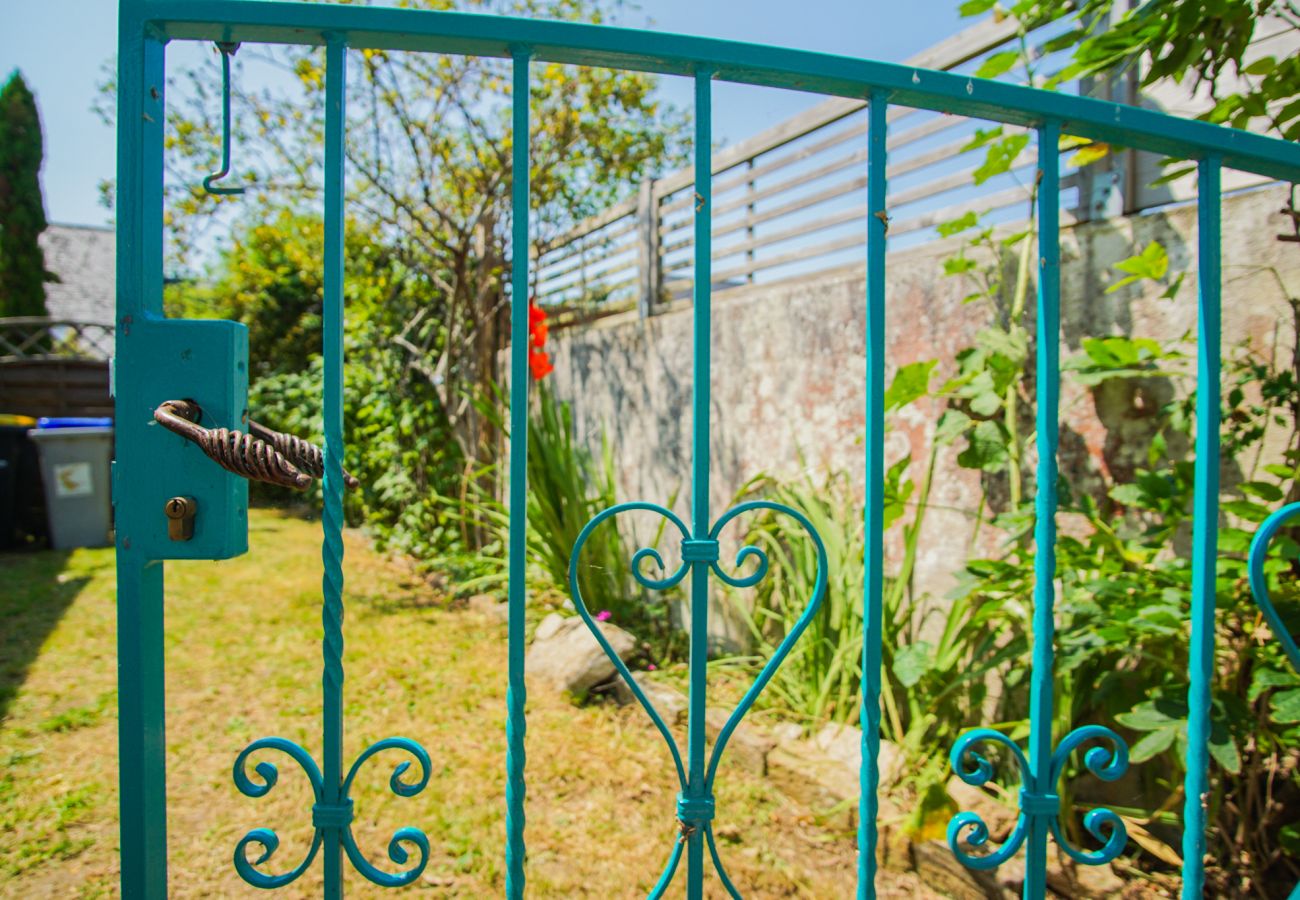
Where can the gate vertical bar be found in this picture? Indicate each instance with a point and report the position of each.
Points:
(700, 403)
(1205, 528)
(142, 776)
(332, 489)
(877, 226)
(1048, 377)
(516, 693)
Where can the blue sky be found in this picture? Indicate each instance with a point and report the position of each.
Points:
(61, 46)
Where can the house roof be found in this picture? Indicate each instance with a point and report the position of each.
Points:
(84, 258)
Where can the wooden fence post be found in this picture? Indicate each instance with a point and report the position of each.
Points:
(648, 262)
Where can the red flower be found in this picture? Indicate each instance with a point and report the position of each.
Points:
(538, 333)
(539, 364)
(536, 315)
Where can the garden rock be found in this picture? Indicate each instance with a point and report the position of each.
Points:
(747, 747)
(844, 743)
(670, 703)
(566, 657)
(939, 870)
(1068, 879)
(487, 605)
(997, 816)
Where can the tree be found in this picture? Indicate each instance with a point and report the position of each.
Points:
(22, 214)
(1182, 40)
(429, 156)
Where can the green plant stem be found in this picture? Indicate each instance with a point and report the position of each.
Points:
(1011, 402)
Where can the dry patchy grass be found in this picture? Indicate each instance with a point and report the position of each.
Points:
(243, 658)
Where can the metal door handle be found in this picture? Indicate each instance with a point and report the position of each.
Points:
(260, 455)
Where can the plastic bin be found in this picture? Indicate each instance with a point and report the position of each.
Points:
(75, 464)
(18, 471)
(75, 422)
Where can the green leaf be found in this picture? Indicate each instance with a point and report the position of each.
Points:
(1263, 490)
(1290, 839)
(1286, 706)
(1153, 743)
(952, 424)
(1251, 512)
(1149, 265)
(1001, 156)
(975, 7)
(958, 265)
(1224, 749)
(1266, 679)
(1151, 715)
(982, 138)
(910, 383)
(912, 662)
(986, 448)
(948, 229)
(998, 64)
(1262, 66)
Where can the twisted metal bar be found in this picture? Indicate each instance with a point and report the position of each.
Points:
(974, 768)
(261, 455)
(234, 451)
(301, 453)
(695, 803)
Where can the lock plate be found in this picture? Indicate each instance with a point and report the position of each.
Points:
(166, 359)
(180, 517)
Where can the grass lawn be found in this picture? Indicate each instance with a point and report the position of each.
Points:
(243, 662)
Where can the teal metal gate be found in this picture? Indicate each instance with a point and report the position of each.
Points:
(163, 482)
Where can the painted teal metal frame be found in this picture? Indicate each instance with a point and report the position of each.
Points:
(151, 461)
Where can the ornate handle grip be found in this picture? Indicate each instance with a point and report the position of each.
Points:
(261, 455)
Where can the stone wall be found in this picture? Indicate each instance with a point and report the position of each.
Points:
(788, 366)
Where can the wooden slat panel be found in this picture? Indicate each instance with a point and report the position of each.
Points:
(55, 387)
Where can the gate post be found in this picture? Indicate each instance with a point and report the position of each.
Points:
(142, 781)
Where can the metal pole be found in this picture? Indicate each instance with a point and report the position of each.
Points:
(696, 787)
(516, 693)
(332, 489)
(872, 602)
(1205, 530)
(142, 777)
(1048, 428)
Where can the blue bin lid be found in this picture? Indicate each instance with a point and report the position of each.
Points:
(75, 422)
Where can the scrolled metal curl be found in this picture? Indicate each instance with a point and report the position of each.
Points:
(265, 837)
(396, 852)
(703, 552)
(1259, 583)
(783, 649)
(977, 770)
(270, 842)
(1108, 764)
(580, 604)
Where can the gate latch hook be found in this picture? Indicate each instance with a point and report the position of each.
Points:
(227, 49)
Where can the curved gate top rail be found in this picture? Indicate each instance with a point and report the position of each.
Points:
(207, 361)
(766, 66)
